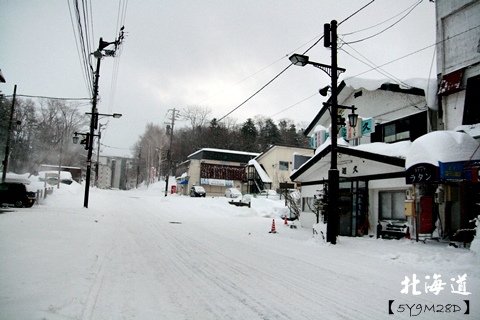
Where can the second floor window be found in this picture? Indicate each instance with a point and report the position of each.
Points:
(283, 165)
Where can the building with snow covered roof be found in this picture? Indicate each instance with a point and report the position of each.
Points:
(214, 170)
(272, 168)
(371, 157)
(458, 63)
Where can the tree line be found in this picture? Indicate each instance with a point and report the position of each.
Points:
(199, 131)
(41, 133)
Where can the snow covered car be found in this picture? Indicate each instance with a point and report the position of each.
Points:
(269, 193)
(233, 193)
(392, 229)
(12, 193)
(197, 191)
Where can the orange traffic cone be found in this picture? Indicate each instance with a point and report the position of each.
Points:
(285, 221)
(273, 227)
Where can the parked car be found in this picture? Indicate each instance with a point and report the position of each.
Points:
(197, 191)
(269, 193)
(392, 229)
(12, 193)
(233, 193)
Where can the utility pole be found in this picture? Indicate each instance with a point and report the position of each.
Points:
(9, 133)
(169, 152)
(333, 218)
(99, 54)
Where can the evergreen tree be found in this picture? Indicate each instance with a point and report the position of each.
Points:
(269, 135)
(249, 135)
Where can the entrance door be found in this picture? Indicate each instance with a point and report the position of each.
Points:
(352, 203)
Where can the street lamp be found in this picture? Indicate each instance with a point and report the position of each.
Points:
(89, 142)
(330, 40)
(85, 141)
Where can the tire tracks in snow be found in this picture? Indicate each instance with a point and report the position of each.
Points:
(247, 288)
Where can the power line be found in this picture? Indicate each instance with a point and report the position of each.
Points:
(52, 98)
(293, 105)
(415, 52)
(356, 12)
(390, 26)
(86, 71)
(372, 65)
(286, 68)
(392, 61)
(121, 14)
(378, 24)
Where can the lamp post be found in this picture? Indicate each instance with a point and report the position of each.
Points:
(88, 141)
(330, 40)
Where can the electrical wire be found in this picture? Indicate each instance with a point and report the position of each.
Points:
(286, 68)
(84, 44)
(121, 14)
(387, 28)
(86, 71)
(380, 23)
(293, 105)
(52, 98)
(372, 65)
(344, 20)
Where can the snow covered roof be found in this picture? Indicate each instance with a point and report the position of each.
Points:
(17, 178)
(429, 86)
(64, 175)
(263, 175)
(471, 129)
(442, 146)
(397, 149)
(328, 141)
(225, 151)
(349, 86)
(389, 153)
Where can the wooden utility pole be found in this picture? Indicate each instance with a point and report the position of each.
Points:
(169, 152)
(9, 133)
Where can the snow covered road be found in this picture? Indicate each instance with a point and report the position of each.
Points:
(140, 255)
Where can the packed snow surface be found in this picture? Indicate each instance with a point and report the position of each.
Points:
(140, 255)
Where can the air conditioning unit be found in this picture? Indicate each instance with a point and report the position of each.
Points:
(409, 194)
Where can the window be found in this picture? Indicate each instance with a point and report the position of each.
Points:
(283, 165)
(397, 131)
(471, 111)
(392, 205)
(409, 128)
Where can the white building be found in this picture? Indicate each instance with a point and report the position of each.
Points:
(372, 164)
(115, 172)
(458, 63)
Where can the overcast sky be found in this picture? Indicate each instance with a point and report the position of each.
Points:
(208, 53)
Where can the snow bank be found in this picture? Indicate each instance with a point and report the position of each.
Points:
(475, 245)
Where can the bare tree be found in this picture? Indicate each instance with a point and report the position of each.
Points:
(196, 115)
(150, 149)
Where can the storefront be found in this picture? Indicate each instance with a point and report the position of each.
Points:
(442, 168)
(369, 174)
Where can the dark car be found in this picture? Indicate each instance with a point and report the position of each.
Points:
(197, 191)
(16, 194)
